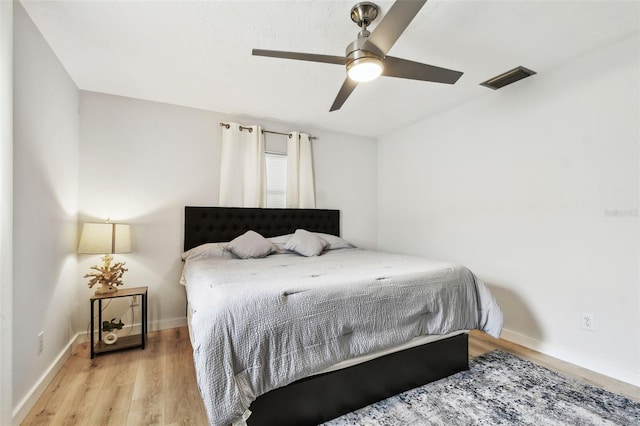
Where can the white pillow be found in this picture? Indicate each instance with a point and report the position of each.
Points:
(251, 245)
(306, 243)
(280, 241)
(334, 242)
(206, 251)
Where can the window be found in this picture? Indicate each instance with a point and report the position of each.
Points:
(276, 180)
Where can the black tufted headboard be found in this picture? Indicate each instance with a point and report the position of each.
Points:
(220, 224)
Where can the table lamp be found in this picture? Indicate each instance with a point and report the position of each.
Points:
(106, 238)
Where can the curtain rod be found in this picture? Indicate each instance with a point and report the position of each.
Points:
(226, 125)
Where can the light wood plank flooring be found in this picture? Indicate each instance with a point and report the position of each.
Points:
(157, 386)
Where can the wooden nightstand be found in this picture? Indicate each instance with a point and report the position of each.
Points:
(131, 341)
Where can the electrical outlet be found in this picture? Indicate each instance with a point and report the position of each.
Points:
(40, 342)
(134, 301)
(588, 321)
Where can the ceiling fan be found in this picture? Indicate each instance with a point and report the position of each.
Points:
(366, 57)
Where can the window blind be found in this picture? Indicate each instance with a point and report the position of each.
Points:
(276, 180)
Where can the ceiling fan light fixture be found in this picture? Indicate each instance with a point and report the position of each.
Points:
(363, 58)
(364, 69)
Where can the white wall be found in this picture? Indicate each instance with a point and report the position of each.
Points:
(519, 186)
(6, 206)
(45, 166)
(141, 162)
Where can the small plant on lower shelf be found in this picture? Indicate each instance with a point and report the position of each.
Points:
(109, 326)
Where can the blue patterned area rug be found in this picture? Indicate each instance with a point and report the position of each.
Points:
(500, 389)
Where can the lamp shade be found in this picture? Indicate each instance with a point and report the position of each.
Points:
(105, 238)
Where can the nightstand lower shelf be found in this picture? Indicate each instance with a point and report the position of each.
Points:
(132, 341)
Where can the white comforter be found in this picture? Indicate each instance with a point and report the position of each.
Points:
(261, 324)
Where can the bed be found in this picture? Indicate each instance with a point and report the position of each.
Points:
(311, 389)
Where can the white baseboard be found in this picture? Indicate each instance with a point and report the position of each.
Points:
(26, 404)
(168, 323)
(153, 326)
(598, 365)
(574, 357)
(23, 407)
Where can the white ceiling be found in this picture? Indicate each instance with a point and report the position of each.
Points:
(198, 53)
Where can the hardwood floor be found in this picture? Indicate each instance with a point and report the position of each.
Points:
(154, 386)
(157, 386)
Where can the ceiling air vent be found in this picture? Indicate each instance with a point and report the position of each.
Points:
(507, 78)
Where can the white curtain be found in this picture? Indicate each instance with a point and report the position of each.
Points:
(300, 187)
(242, 168)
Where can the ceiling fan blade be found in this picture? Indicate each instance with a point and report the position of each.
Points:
(347, 87)
(328, 59)
(402, 68)
(392, 25)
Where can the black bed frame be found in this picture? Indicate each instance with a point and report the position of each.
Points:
(316, 399)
